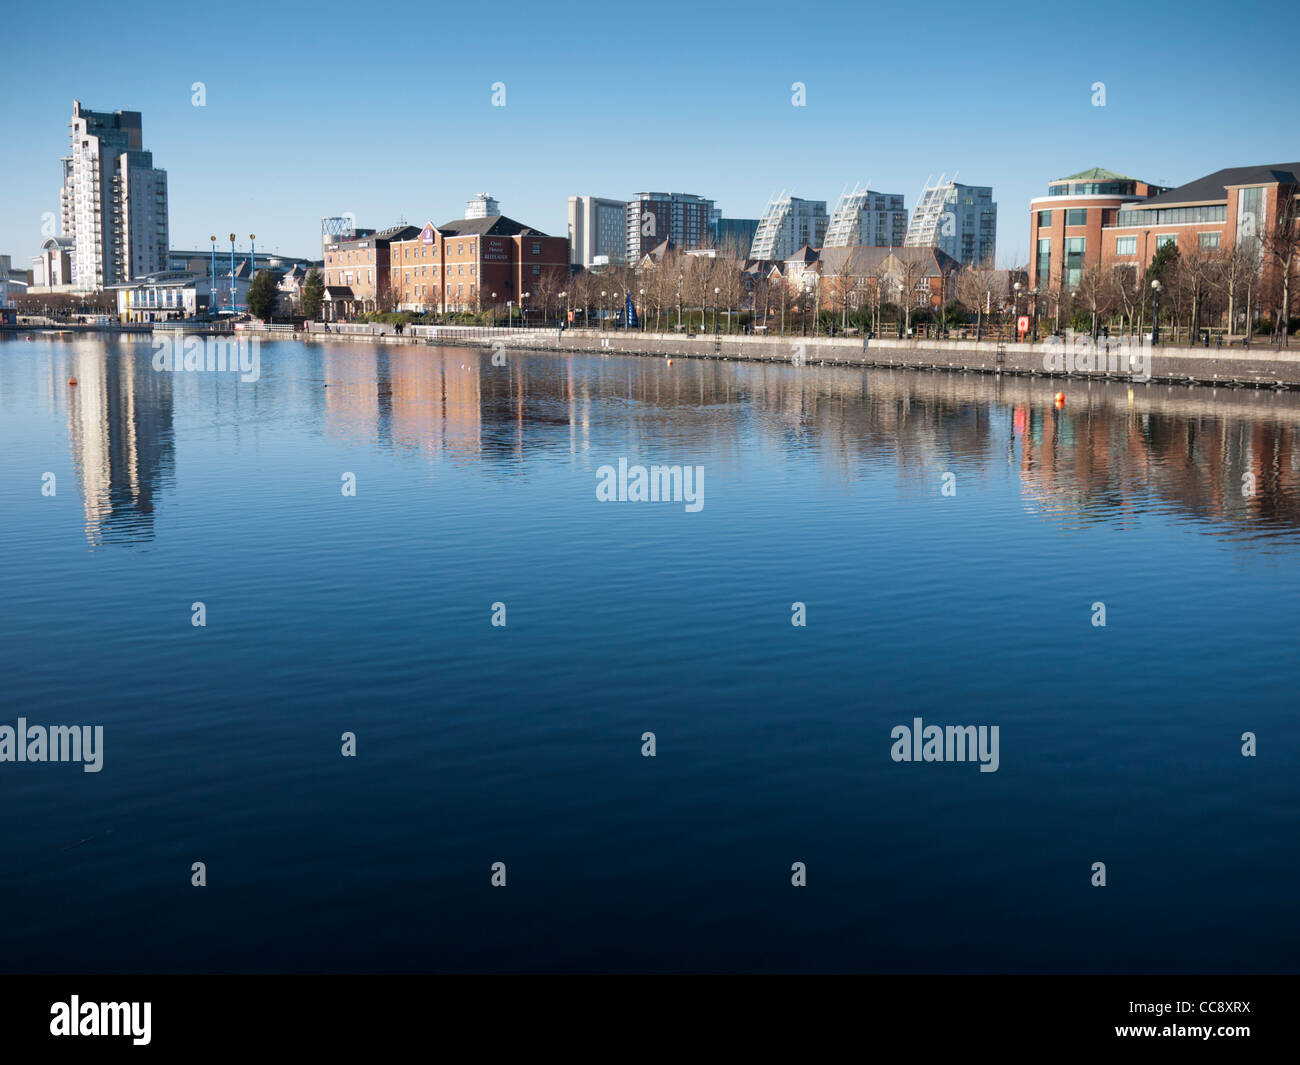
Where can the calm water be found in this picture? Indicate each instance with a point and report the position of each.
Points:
(476, 744)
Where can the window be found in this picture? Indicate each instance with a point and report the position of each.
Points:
(1044, 219)
(537, 247)
(1126, 245)
(537, 271)
(1250, 213)
(1044, 262)
(1166, 238)
(1171, 216)
(1076, 216)
(1075, 249)
(1209, 240)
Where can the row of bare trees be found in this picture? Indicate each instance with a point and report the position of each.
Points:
(1202, 288)
(665, 289)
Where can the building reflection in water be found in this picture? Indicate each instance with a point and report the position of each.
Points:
(1110, 453)
(121, 436)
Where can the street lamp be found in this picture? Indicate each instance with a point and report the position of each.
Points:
(1155, 312)
(1015, 308)
(212, 296)
(643, 310)
(716, 293)
(603, 314)
(232, 273)
(494, 310)
(523, 313)
(565, 297)
(510, 314)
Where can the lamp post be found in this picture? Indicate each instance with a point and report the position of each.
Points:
(232, 273)
(494, 310)
(716, 293)
(212, 296)
(252, 264)
(510, 314)
(1015, 309)
(602, 310)
(565, 297)
(643, 310)
(1033, 314)
(523, 312)
(679, 301)
(1155, 312)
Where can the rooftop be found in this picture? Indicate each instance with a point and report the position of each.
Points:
(1096, 173)
(1214, 187)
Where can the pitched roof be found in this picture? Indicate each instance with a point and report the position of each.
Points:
(1096, 173)
(398, 232)
(865, 261)
(1214, 187)
(496, 225)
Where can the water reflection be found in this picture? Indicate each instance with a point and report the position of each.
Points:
(1110, 453)
(1226, 457)
(120, 434)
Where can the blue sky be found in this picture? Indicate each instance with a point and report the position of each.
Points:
(314, 109)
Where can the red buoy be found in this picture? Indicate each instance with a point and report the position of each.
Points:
(1060, 399)
(72, 380)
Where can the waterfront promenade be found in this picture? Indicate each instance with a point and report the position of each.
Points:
(1258, 366)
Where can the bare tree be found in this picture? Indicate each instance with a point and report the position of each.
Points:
(975, 287)
(1094, 294)
(1238, 269)
(1128, 294)
(729, 277)
(912, 282)
(1281, 245)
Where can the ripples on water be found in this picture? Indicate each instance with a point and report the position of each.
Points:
(476, 484)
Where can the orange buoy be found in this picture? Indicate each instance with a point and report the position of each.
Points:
(670, 362)
(72, 380)
(1060, 399)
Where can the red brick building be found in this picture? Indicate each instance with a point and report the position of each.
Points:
(1065, 226)
(1098, 218)
(357, 271)
(475, 263)
(1213, 213)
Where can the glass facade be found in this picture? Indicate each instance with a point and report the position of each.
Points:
(1126, 245)
(1094, 188)
(1250, 214)
(1074, 253)
(1076, 216)
(1173, 216)
(1044, 262)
